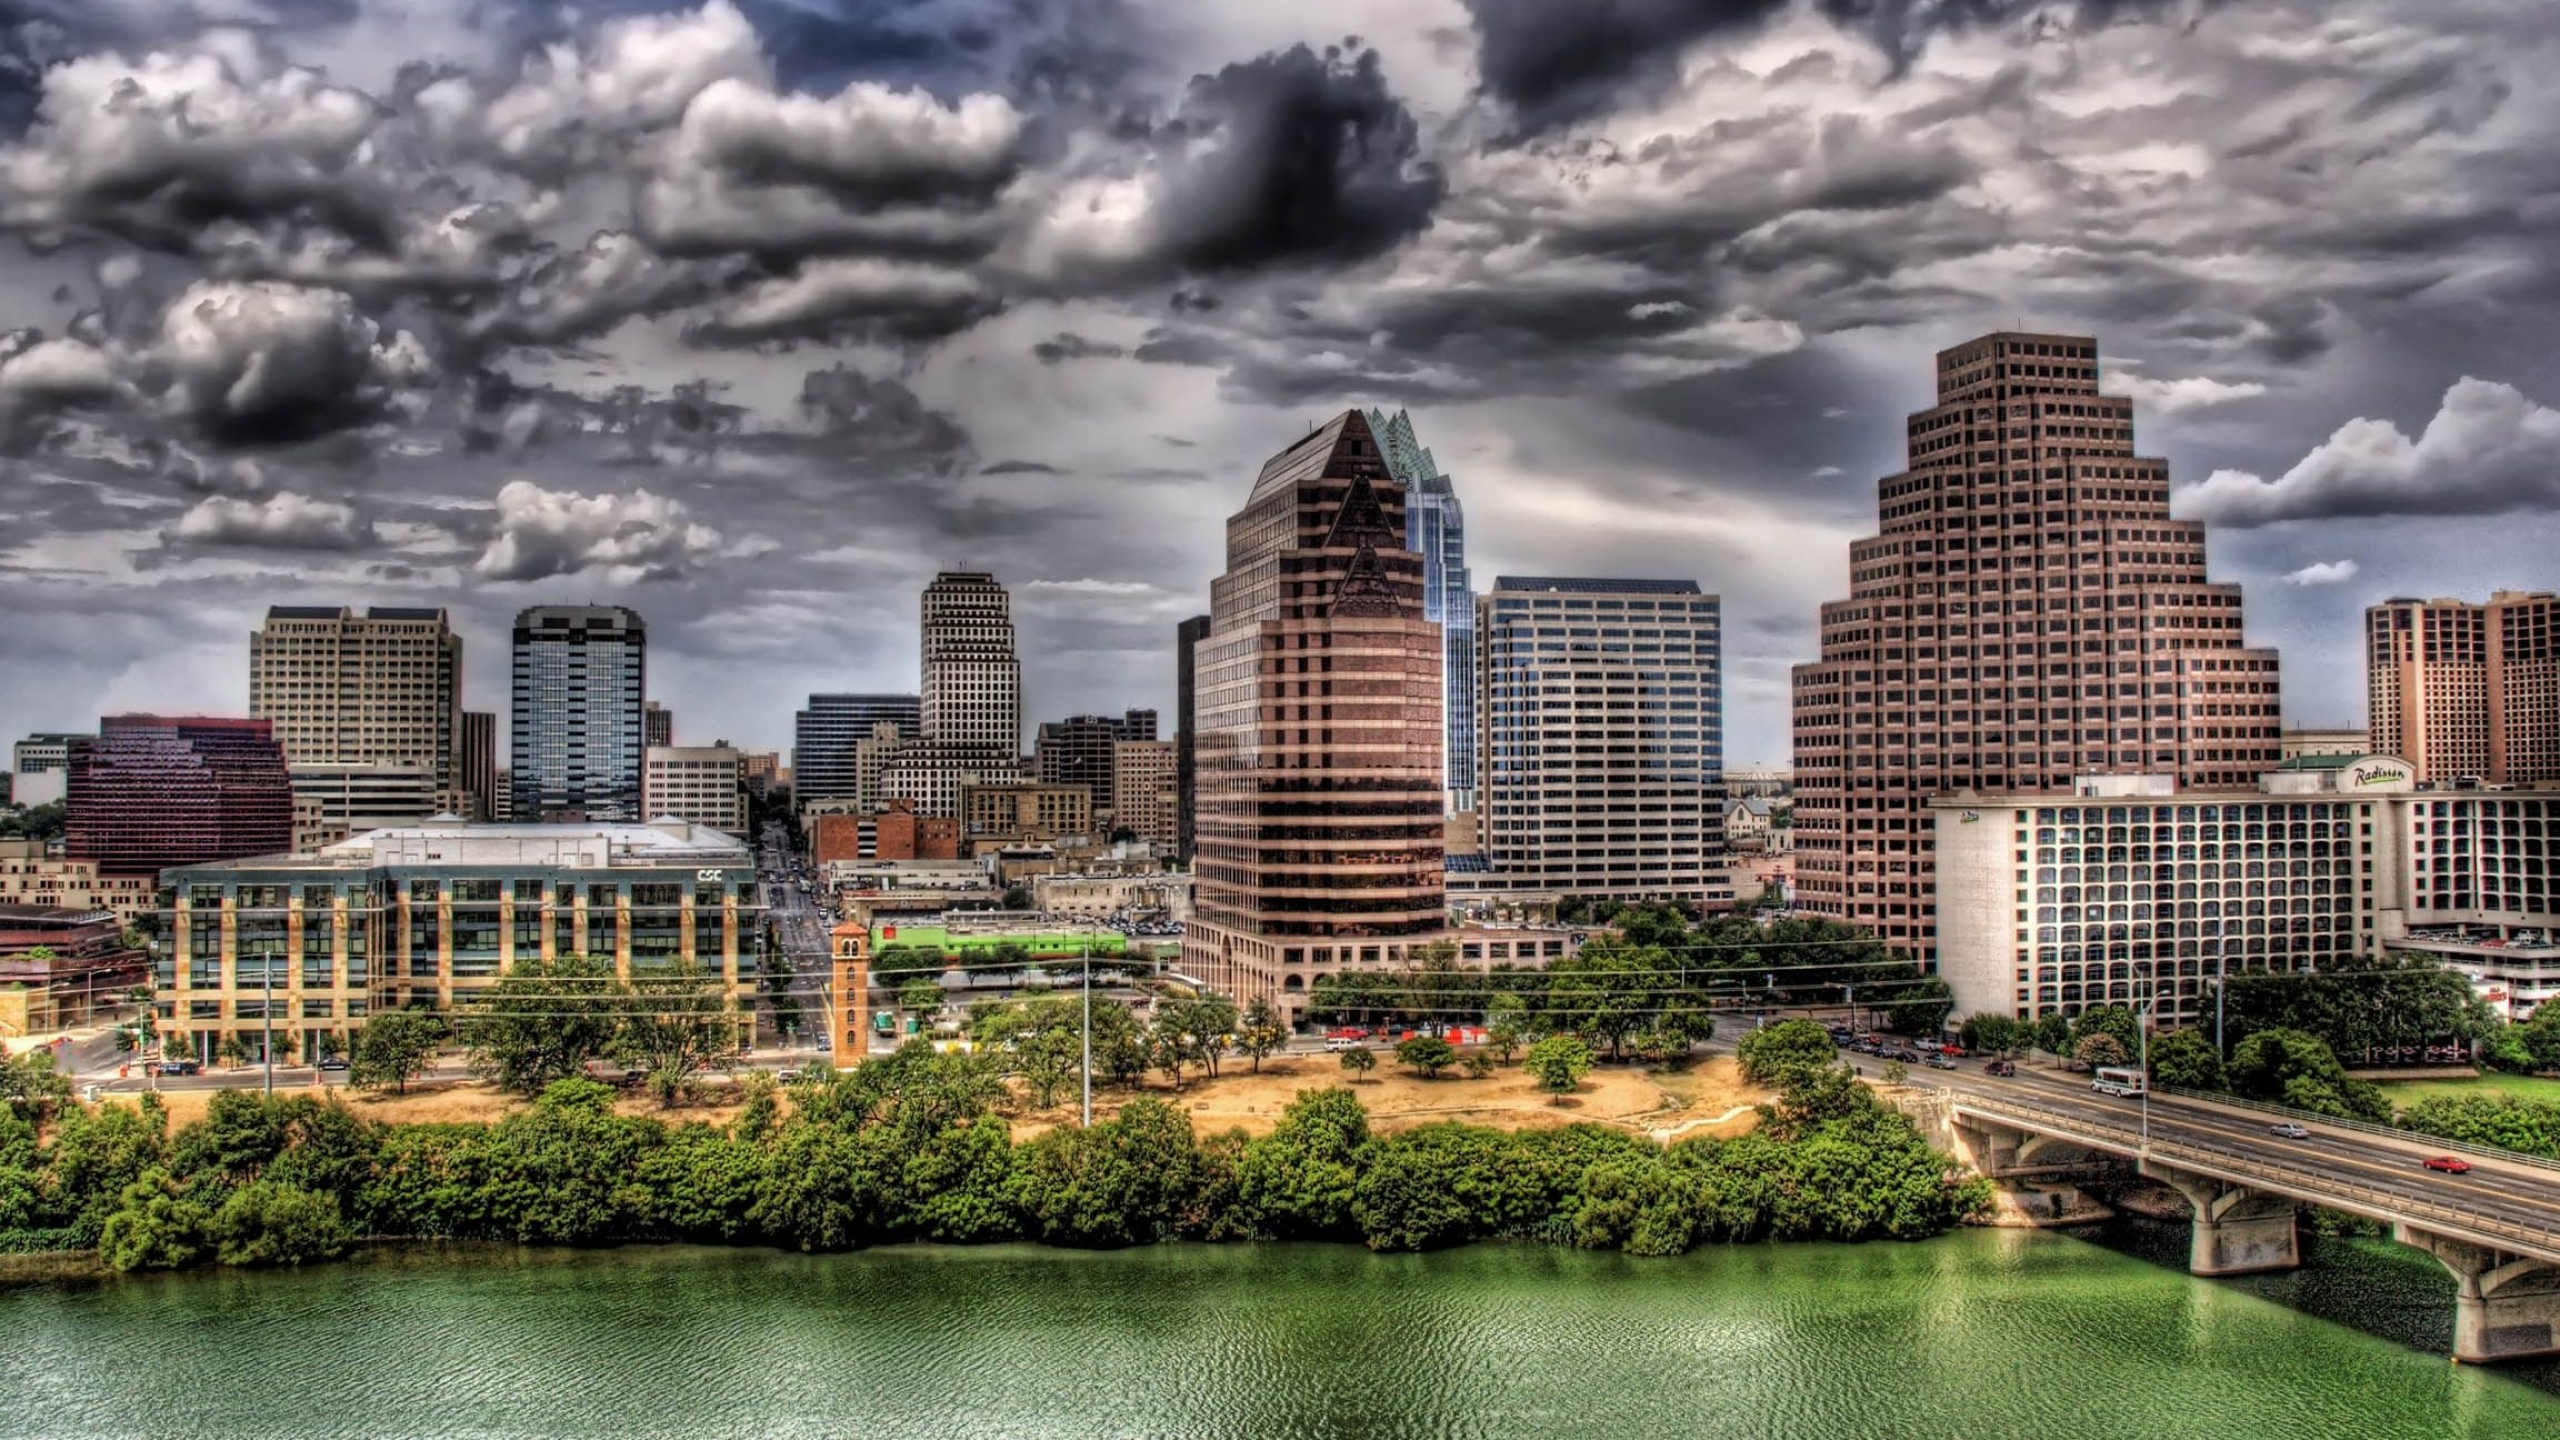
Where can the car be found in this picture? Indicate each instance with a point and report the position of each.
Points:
(2001, 1067)
(334, 1062)
(1940, 1062)
(2287, 1130)
(2449, 1164)
(180, 1067)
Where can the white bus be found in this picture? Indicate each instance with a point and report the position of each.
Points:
(2119, 1080)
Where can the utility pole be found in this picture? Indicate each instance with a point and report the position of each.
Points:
(1088, 1032)
(2221, 982)
(267, 1016)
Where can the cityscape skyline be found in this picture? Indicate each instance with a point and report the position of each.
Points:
(1691, 360)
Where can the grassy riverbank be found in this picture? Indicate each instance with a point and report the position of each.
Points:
(910, 1147)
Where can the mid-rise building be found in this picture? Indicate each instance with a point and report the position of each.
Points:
(657, 724)
(312, 944)
(581, 675)
(1317, 715)
(705, 784)
(2050, 904)
(152, 791)
(42, 752)
(61, 968)
(1436, 529)
(2468, 692)
(2306, 744)
(894, 832)
(1603, 713)
(340, 688)
(826, 758)
(503, 809)
(480, 764)
(334, 801)
(31, 875)
(1079, 750)
(2027, 613)
(1009, 813)
(1143, 797)
(764, 771)
(1186, 757)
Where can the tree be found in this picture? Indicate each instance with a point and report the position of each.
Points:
(1296, 1183)
(2298, 1069)
(156, 1227)
(920, 996)
(543, 1021)
(1506, 1024)
(679, 1024)
(2114, 1020)
(1478, 1065)
(266, 1223)
(1559, 1062)
(1038, 1041)
(1261, 1033)
(1994, 1033)
(1359, 1060)
(2098, 1048)
(1428, 1054)
(1895, 1072)
(1772, 1053)
(1920, 1006)
(332, 1043)
(29, 1088)
(2186, 1059)
(393, 1049)
(894, 962)
(237, 1049)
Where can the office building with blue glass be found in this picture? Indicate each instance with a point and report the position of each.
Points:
(1436, 529)
(1602, 772)
(578, 736)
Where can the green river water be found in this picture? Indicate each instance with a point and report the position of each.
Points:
(1982, 1335)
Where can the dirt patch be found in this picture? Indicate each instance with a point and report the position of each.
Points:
(442, 1101)
(1650, 1101)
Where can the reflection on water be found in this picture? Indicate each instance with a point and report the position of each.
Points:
(1984, 1334)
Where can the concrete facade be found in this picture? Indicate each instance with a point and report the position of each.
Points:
(706, 784)
(2467, 692)
(383, 687)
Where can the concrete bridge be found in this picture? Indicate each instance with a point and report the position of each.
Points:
(2497, 1229)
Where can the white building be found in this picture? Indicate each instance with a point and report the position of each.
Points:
(2049, 904)
(706, 784)
(333, 801)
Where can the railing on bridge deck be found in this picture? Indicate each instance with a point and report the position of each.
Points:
(2367, 1127)
(2240, 1164)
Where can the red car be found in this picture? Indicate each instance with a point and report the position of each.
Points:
(2449, 1164)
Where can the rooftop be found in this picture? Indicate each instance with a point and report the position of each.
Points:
(1595, 585)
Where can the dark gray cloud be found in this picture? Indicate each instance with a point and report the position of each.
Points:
(1021, 467)
(1068, 346)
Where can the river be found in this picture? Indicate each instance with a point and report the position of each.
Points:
(1982, 1334)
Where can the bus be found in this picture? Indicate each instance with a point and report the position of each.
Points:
(2119, 1080)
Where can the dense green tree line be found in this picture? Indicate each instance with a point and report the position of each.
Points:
(2530, 1127)
(910, 1147)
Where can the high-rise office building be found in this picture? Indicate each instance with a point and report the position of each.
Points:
(347, 689)
(2467, 691)
(581, 672)
(1604, 740)
(1186, 756)
(1142, 791)
(971, 707)
(480, 762)
(1079, 750)
(657, 723)
(152, 791)
(972, 677)
(824, 738)
(1436, 529)
(1317, 706)
(2027, 612)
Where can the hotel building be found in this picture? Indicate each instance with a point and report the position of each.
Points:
(2468, 692)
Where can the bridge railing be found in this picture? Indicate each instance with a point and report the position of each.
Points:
(2321, 1185)
(2367, 1127)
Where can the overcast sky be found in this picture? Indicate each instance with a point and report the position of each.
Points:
(752, 315)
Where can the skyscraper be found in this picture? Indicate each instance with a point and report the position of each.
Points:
(480, 762)
(825, 737)
(1604, 739)
(1319, 802)
(577, 738)
(971, 707)
(343, 689)
(152, 791)
(2027, 612)
(657, 723)
(1078, 750)
(1436, 529)
(2465, 691)
(1186, 642)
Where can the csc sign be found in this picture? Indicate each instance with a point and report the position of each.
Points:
(710, 877)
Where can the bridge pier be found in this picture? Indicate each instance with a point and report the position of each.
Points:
(2238, 1231)
(2505, 1307)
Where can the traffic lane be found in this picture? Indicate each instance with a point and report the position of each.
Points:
(2494, 1194)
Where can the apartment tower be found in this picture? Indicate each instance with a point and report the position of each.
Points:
(1436, 529)
(2465, 691)
(575, 749)
(383, 687)
(1603, 772)
(2027, 612)
(1319, 809)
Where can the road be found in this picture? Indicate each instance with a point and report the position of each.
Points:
(2516, 1193)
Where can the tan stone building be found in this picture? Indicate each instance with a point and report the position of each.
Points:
(1316, 693)
(383, 687)
(1145, 800)
(706, 784)
(2026, 612)
(2467, 691)
(1008, 813)
(28, 876)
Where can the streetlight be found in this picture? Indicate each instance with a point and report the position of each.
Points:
(1088, 1030)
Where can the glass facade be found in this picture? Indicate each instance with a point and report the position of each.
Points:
(578, 732)
(1436, 529)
